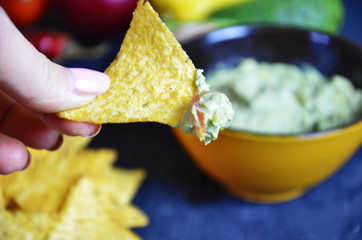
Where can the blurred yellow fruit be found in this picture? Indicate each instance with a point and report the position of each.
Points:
(191, 10)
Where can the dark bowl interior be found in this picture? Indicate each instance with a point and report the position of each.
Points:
(329, 54)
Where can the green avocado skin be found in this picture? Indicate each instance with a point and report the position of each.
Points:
(319, 15)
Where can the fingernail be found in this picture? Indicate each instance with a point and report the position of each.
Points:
(28, 162)
(58, 144)
(95, 132)
(86, 81)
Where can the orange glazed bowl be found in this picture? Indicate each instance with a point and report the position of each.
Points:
(272, 168)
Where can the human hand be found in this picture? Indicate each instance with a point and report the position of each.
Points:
(32, 89)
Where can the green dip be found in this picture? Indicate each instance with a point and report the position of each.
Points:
(215, 108)
(281, 98)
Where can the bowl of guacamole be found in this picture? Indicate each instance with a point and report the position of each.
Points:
(282, 98)
(297, 102)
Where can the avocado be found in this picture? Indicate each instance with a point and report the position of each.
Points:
(319, 15)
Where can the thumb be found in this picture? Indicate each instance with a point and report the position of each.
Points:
(29, 77)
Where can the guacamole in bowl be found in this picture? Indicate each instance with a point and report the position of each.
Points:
(280, 98)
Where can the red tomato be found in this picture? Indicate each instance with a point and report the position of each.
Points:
(97, 18)
(24, 12)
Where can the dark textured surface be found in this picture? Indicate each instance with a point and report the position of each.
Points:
(183, 203)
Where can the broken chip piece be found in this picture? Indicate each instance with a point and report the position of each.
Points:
(154, 80)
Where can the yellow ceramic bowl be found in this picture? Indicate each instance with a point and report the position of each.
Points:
(276, 168)
(273, 169)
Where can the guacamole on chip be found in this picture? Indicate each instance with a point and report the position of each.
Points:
(208, 113)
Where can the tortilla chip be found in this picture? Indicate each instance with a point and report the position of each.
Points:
(73, 193)
(44, 186)
(92, 162)
(70, 147)
(115, 190)
(152, 78)
(127, 216)
(118, 186)
(83, 218)
(20, 225)
(73, 145)
(2, 197)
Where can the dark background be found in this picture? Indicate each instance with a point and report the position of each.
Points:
(183, 203)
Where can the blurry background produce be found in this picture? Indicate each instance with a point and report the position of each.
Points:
(24, 13)
(64, 29)
(320, 15)
(85, 24)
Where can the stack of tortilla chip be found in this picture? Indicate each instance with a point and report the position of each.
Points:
(72, 193)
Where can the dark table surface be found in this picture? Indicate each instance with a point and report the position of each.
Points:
(183, 203)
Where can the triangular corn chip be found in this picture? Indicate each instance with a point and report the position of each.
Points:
(22, 225)
(127, 216)
(52, 178)
(83, 218)
(118, 186)
(72, 193)
(152, 78)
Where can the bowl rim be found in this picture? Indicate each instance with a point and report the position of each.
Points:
(218, 35)
(270, 137)
(249, 29)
